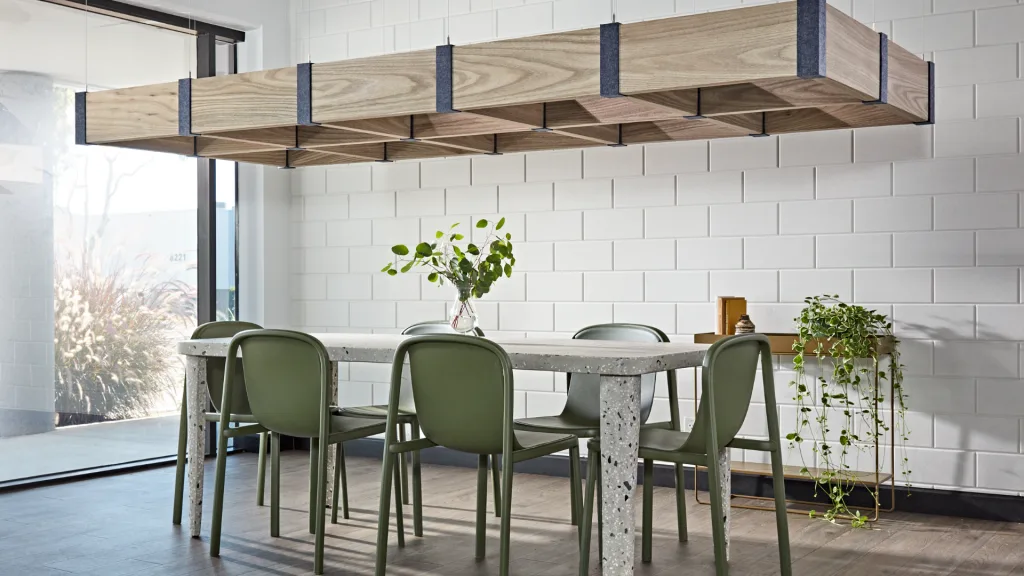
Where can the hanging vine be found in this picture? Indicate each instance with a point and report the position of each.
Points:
(839, 412)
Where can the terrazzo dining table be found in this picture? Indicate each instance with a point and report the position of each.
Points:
(619, 364)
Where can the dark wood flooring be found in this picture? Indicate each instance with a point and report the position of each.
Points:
(121, 525)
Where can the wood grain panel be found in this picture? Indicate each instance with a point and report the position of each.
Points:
(281, 137)
(482, 144)
(908, 84)
(132, 113)
(389, 85)
(182, 145)
(804, 120)
(666, 130)
(527, 116)
(776, 94)
(303, 158)
(605, 134)
(726, 47)
(852, 54)
(320, 136)
(460, 124)
(595, 110)
(271, 158)
(531, 141)
(210, 147)
(360, 151)
(262, 99)
(395, 126)
(559, 66)
(419, 150)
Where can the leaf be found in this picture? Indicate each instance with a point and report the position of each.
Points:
(407, 267)
(472, 249)
(392, 272)
(453, 226)
(508, 270)
(386, 268)
(400, 250)
(482, 224)
(458, 236)
(423, 249)
(439, 235)
(432, 277)
(500, 224)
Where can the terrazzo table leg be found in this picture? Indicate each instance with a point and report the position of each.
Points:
(198, 400)
(620, 434)
(332, 393)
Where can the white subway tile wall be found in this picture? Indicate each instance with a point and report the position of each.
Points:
(923, 223)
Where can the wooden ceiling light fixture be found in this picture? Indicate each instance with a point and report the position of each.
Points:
(770, 69)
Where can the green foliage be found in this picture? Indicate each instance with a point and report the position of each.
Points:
(114, 336)
(471, 268)
(839, 412)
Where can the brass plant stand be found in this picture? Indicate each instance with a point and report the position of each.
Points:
(782, 345)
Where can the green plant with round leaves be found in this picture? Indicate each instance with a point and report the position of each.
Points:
(472, 269)
(838, 410)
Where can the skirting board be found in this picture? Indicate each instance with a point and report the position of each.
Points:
(916, 500)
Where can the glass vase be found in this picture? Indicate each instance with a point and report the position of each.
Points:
(462, 316)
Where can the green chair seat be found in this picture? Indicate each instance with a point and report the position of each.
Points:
(565, 423)
(379, 412)
(660, 440)
(343, 426)
(530, 445)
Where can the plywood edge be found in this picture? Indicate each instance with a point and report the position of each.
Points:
(262, 99)
(559, 66)
(712, 49)
(361, 88)
(137, 113)
(853, 54)
(181, 145)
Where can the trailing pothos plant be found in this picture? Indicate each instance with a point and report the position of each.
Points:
(838, 412)
(472, 269)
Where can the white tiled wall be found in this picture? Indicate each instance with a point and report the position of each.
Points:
(923, 223)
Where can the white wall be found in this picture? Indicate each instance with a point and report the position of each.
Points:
(922, 223)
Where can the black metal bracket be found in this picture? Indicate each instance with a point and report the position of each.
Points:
(80, 118)
(764, 127)
(618, 144)
(543, 119)
(883, 71)
(610, 60)
(305, 94)
(287, 161)
(297, 147)
(412, 130)
(931, 96)
(811, 16)
(185, 107)
(698, 115)
(495, 152)
(444, 69)
(385, 159)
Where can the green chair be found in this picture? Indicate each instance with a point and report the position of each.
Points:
(407, 417)
(462, 388)
(582, 413)
(239, 412)
(288, 383)
(729, 370)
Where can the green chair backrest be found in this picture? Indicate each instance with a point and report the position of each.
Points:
(583, 400)
(215, 366)
(405, 399)
(728, 373)
(287, 380)
(462, 388)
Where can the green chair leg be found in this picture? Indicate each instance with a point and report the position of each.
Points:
(417, 487)
(681, 503)
(399, 513)
(321, 512)
(506, 512)
(600, 514)
(179, 471)
(593, 471)
(495, 475)
(344, 480)
(403, 464)
(338, 467)
(218, 493)
(575, 488)
(313, 450)
(384, 514)
(261, 472)
(717, 520)
(275, 484)
(648, 515)
(481, 506)
(781, 515)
